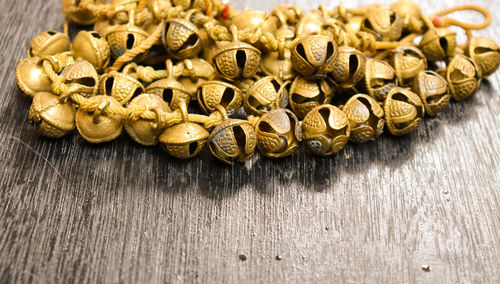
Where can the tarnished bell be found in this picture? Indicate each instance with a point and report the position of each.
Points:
(384, 23)
(438, 44)
(49, 43)
(73, 11)
(304, 95)
(52, 117)
(91, 47)
(463, 76)
(279, 63)
(170, 89)
(485, 52)
(380, 78)
(214, 93)
(146, 131)
(264, 95)
(407, 61)
(31, 77)
(181, 38)
(326, 130)
(233, 139)
(120, 86)
(349, 68)
(83, 75)
(98, 126)
(184, 140)
(124, 37)
(366, 118)
(403, 111)
(314, 56)
(432, 89)
(278, 133)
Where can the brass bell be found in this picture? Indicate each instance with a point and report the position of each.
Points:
(264, 95)
(314, 56)
(98, 126)
(432, 89)
(196, 72)
(191, 4)
(350, 67)
(170, 89)
(181, 38)
(82, 74)
(120, 86)
(31, 77)
(380, 78)
(145, 131)
(353, 24)
(410, 13)
(325, 130)
(77, 14)
(403, 111)
(463, 76)
(48, 43)
(159, 8)
(279, 63)
(251, 20)
(214, 93)
(438, 44)
(384, 23)
(407, 61)
(485, 52)
(184, 140)
(91, 47)
(278, 133)
(304, 95)
(310, 23)
(366, 118)
(52, 117)
(124, 37)
(233, 139)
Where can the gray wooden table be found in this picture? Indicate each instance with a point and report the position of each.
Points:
(119, 212)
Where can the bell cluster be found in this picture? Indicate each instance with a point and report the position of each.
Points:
(187, 73)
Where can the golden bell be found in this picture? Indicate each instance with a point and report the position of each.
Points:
(52, 117)
(353, 24)
(214, 93)
(181, 39)
(31, 77)
(432, 89)
(82, 74)
(98, 126)
(278, 133)
(463, 76)
(264, 95)
(403, 111)
(91, 47)
(49, 43)
(279, 63)
(310, 23)
(380, 78)
(485, 52)
(197, 72)
(233, 139)
(184, 140)
(438, 44)
(325, 130)
(384, 23)
(124, 37)
(410, 13)
(407, 61)
(120, 86)
(314, 56)
(366, 118)
(159, 8)
(145, 131)
(170, 89)
(304, 95)
(350, 67)
(190, 4)
(73, 11)
(252, 20)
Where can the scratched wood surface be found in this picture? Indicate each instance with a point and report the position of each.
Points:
(119, 212)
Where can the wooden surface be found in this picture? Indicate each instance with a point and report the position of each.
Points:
(119, 212)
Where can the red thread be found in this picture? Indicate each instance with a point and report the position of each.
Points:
(225, 13)
(437, 21)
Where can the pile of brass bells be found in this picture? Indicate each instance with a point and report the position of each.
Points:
(198, 74)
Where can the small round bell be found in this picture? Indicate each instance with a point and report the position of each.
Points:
(124, 37)
(184, 140)
(52, 117)
(181, 38)
(403, 111)
(120, 86)
(159, 8)
(31, 77)
(432, 89)
(98, 126)
(264, 95)
(485, 52)
(325, 130)
(366, 118)
(48, 43)
(145, 131)
(251, 20)
(410, 13)
(279, 63)
(304, 95)
(384, 23)
(73, 11)
(191, 4)
(91, 47)
(233, 139)
(82, 74)
(407, 61)
(379, 80)
(314, 56)
(197, 72)
(278, 133)
(438, 44)
(353, 24)
(310, 23)
(169, 89)
(350, 67)
(214, 93)
(463, 76)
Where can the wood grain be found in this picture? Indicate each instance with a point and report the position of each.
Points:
(119, 212)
